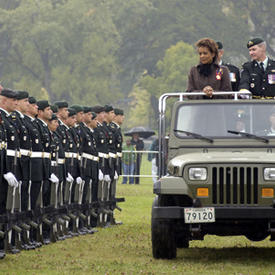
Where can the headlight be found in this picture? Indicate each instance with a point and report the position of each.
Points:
(269, 173)
(197, 173)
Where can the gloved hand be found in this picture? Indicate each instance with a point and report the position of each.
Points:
(100, 175)
(78, 180)
(69, 178)
(116, 175)
(53, 178)
(107, 178)
(11, 179)
(244, 96)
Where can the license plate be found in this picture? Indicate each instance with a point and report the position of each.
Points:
(199, 215)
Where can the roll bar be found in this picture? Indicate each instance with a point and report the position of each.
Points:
(162, 109)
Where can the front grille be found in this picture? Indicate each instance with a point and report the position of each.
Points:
(235, 185)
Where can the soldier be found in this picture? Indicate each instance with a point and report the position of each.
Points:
(25, 151)
(234, 71)
(117, 122)
(36, 164)
(258, 75)
(11, 170)
(44, 114)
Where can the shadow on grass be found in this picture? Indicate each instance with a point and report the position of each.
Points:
(228, 254)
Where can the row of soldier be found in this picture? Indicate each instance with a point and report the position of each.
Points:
(59, 168)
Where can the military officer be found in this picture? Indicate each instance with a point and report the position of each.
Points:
(234, 71)
(11, 170)
(258, 75)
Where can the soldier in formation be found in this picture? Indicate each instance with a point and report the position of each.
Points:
(59, 169)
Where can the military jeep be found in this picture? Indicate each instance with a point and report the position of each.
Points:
(217, 171)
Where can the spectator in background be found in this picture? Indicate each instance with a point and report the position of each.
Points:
(128, 161)
(139, 145)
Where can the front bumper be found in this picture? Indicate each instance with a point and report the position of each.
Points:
(221, 213)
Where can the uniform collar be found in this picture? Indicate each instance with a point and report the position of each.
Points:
(44, 123)
(21, 115)
(116, 124)
(7, 113)
(265, 62)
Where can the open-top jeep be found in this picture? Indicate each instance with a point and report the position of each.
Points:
(220, 175)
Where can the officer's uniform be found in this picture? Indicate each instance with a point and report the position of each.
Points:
(253, 78)
(234, 74)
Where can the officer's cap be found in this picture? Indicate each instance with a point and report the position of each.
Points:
(108, 108)
(22, 95)
(61, 104)
(253, 42)
(72, 112)
(220, 45)
(118, 112)
(42, 104)
(54, 117)
(8, 93)
(94, 115)
(98, 109)
(87, 109)
(77, 108)
(54, 108)
(32, 100)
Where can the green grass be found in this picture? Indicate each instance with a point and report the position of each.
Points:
(126, 249)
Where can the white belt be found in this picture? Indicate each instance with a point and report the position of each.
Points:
(79, 157)
(46, 155)
(25, 152)
(91, 157)
(36, 154)
(68, 155)
(53, 163)
(12, 153)
(75, 155)
(101, 155)
(119, 154)
(61, 161)
(106, 156)
(112, 155)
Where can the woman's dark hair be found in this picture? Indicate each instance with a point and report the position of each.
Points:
(210, 44)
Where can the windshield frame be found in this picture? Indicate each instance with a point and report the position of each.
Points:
(182, 104)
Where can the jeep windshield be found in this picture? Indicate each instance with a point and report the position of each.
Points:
(223, 120)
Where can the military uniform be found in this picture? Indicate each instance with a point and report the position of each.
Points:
(261, 84)
(234, 74)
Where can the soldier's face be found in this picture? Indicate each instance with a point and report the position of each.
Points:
(11, 104)
(33, 109)
(71, 121)
(257, 52)
(47, 113)
(53, 125)
(63, 113)
(23, 105)
(79, 117)
(110, 116)
(206, 57)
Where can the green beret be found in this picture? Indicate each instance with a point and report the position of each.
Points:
(54, 117)
(77, 108)
(32, 100)
(87, 109)
(253, 42)
(54, 108)
(22, 95)
(72, 112)
(8, 93)
(94, 115)
(118, 112)
(98, 109)
(220, 45)
(108, 108)
(61, 104)
(42, 104)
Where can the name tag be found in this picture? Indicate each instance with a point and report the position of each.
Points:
(271, 78)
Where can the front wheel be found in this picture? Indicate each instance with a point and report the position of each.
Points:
(163, 238)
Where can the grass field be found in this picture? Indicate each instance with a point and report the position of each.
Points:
(126, 249)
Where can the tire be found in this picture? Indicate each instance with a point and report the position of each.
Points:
(163, 238)
(257, 236)
(182, 242)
